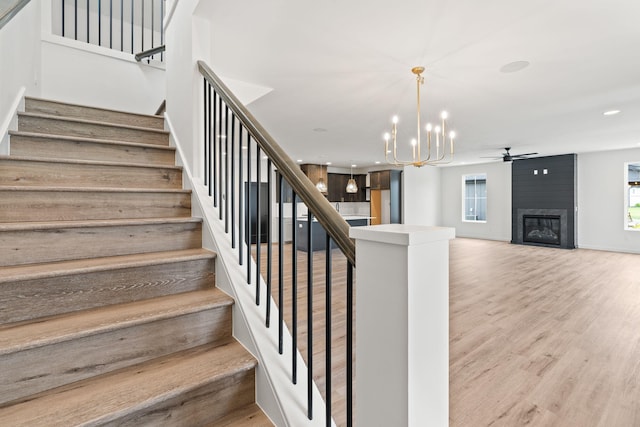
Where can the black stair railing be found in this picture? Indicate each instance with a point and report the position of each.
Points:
(126, 25)
(240, 157)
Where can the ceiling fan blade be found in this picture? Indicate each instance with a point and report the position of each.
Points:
(523, 155)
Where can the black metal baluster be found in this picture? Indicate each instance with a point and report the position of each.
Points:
(294, 291)
(153, 18)
(226, 171)
(212, 149)
(280, 262)
(258, 222)
(207, 117)
(110, 24)
(249, 208)
(269, 241)
(88, 10)
(212, 117)
(142, 26)
(121, 25)
(63, 17)
(233, 181)
(219, 163)
(242, 220)
(99, 22)
(328, 331)
(161, 28)
(75, 19)
(349, 344)
(309, 315)
(132, 26)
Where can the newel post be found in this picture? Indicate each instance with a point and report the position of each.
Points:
(402, 325)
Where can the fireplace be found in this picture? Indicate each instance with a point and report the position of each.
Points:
(543, 229)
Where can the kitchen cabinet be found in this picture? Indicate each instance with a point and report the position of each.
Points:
(315, 172)
(386, 197)
(380, 180)
(338, 188)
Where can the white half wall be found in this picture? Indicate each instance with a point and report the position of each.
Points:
(601, 207)
(498, 224)
(90, 75)
(421, 196)
(187, 40)
(20, 57)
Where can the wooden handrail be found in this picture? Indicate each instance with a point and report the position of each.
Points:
(11, 11)
(332, 221)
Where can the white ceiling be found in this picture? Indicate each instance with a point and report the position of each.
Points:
(344, 66)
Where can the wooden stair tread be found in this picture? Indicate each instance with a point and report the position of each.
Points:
(66, 327)
(109, 110)
(88, 162)
(249, 416)
(90, 265)
(92, 122)
(105, 398)
(94, 189)
(90, 140)
(46, 225)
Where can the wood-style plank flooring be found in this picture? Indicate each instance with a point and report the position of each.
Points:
(538, 336)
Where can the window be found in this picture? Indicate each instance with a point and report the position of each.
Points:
(474, 189)
(633, 196)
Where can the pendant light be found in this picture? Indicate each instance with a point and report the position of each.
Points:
(321, 185)
(352, 187)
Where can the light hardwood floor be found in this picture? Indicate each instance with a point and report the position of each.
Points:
(538, 336)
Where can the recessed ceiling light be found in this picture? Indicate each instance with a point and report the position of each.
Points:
(328, 163)
(378, 162)
(512, 67)
(319, 130)
(299, 160)
(611, 112)
(353, 166)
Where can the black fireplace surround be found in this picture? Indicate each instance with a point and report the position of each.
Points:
(544, 201)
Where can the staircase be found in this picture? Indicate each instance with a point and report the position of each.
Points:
(108, 310)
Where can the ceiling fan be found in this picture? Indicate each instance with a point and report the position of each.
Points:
(508, 157)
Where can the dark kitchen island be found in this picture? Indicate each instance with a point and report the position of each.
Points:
(318, 235)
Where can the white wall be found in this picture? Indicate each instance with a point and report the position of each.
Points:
(601, 207)
(89, 75)
(19, 60)
(498, 224)
(421, 196)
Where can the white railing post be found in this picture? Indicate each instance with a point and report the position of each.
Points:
(402, 325)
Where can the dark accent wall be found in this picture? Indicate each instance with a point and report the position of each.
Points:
(554, 191)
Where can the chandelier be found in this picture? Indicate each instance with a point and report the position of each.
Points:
(436, 138)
